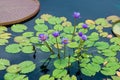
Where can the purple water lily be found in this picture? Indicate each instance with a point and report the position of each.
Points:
(65, 41)
(43, 37)
(84, 37)
(80, 34)
(76, 15)
(55, 34)
(85, 26)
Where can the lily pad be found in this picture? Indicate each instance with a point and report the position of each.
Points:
(116, 29)
(34, 40)
(113, 18)
(41, 27)
(27, 66)
(3, 29)
(73, 45)
(28, 34)
(27, 49)
(21, 39)
(4, 63)
(3, 41)
(60, 64)
(115, 77)
(46, 77)
(13, 69)
(18, 28)
(101, 45)
(5, 35)
(39, 21)
(13, 48)
(59, 73)
(10, 76)
(58, 27)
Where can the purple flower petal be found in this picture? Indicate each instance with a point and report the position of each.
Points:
(76, 15)
(43, 37)
(64, 41)
(84, 37)
(85, 26)
(80, 34)
(55, 34)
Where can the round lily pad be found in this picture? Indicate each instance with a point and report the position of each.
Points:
(13, 48)
(116, 29)
(4, 63)
(18, 27)
(13, 69)
(20, 39)
(27, 49)
(27, 66)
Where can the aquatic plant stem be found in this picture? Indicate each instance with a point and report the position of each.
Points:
(52, 52)
(64, 50)
(74, 29)
(58, 48)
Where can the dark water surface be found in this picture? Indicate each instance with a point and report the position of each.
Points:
(89, 9)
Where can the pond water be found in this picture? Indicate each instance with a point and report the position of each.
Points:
(89, 9)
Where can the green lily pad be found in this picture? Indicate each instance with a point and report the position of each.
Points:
(28, 34)
(21, 39)
(13, 48)
(101, 45)
(58, 27)
(102, 21)
(46, 77)
(59, 73)
(4, 63)
(54, 20)
(109, 52)
(3, 41)
(39, 21)
(27, 66)
(93, 36)
(115, 40)
(18, 28)
(68, 29)
(3, 29)
(21, 77)
(10, 76)
(13, 68)
(89, 43)
(98, 59)
(41, 27)
(115, 77)
(34, 40)
(116, 29)
(91, 69)
(44, 48)
(61, 63)
(73, 45)
(108, 71)
(27, 49)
